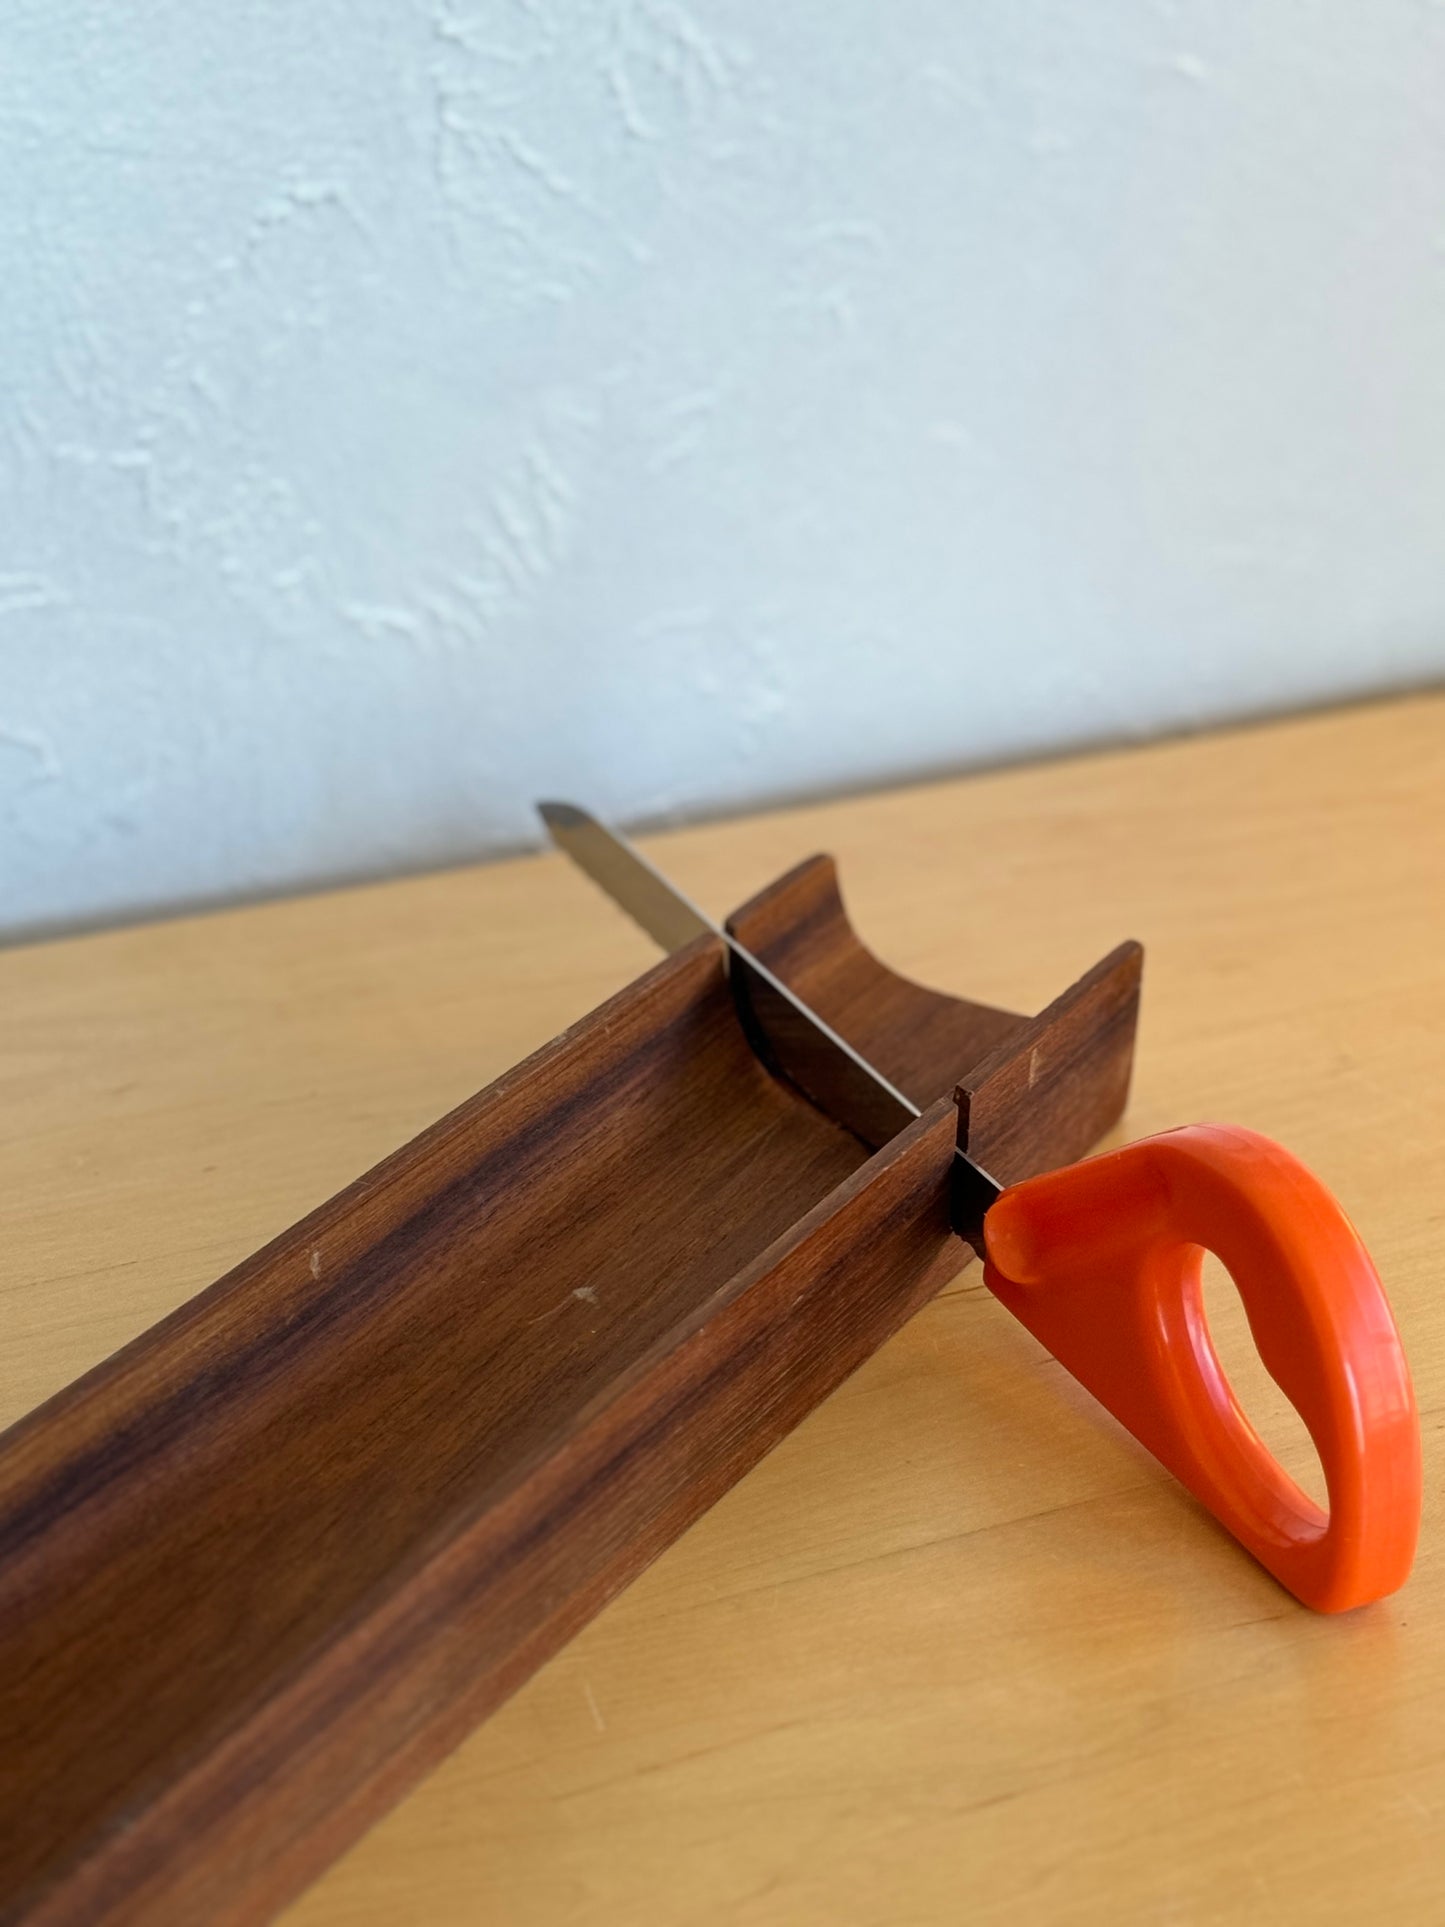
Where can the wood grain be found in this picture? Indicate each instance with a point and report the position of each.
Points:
(262, 1569)
(1049, 1090)
(799, 928)
(1036, 1092)
(955, 1648)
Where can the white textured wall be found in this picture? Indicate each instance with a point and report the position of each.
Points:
(408, 408)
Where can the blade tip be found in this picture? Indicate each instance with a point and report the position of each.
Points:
(561, 816)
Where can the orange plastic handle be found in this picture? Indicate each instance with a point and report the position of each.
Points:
(1102, 1262)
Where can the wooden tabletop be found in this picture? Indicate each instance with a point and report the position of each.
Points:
(959, 1649)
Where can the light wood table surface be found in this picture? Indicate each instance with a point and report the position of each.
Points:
(958, 1650)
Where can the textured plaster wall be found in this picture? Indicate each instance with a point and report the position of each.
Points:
(407, 408)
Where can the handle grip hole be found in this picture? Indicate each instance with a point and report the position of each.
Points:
(1267, 1408)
